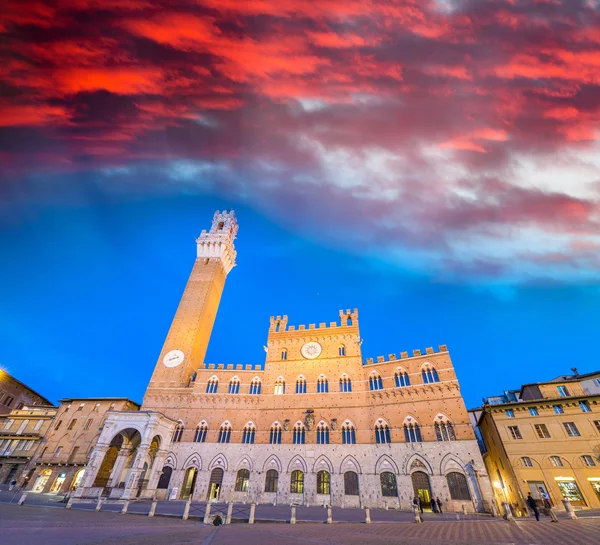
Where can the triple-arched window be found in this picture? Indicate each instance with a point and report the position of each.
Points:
(201, 431)
(275, 434)
(345, 383)
(444, 430)
(412, 432)
(382, 433)
(212, 385)
(299, 435)
(322, 434)
(249, 433)
(429, 374)
(401, 378)
(178, 433)
(375, 381)
(323, 482)
(224, 433)
(234, 386)
(255, 386)
(300, 385)
(279, 386)
(322, 385)
(348, 433)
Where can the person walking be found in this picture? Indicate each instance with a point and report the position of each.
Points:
(439, 505)
(434, 506)
(420, 504)
(416, 503)
(533, 506)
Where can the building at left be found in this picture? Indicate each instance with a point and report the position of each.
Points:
(15, 395)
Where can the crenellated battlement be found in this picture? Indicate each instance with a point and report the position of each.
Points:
(232, 366)
(404, 355)
(348, 318)
(218, 242)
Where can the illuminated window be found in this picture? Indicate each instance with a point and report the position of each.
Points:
(279, 386)
(297, 482)
(323, 482)
(241, 480)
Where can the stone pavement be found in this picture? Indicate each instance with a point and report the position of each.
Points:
(35, 525)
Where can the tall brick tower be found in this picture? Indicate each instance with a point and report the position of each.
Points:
(186, 343)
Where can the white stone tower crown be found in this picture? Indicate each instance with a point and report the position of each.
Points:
(218, 242)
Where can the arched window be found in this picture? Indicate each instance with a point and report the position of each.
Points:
(429, 374)
(323, 482)
(271, 480)
(212, 385)
(297, 482)
(220, 226)
(348, 433)
(241, 480)
(457, 484)
(248, 434)
(224, 433)
(284, 354)
(389, 488)
(350, 483)
(382, 433)
(255, 386)
(375, 382)
(234, 386)
(177, 434)
(299, 434)
(401, 378)
(412, 432)
(300, 385)
(322, 434)
(341, 350)
(201, 431)
(322, 385)
(345, 383)
(275, 434)
(165, 477)
(279, 386)
(444, 430)
(348, 320)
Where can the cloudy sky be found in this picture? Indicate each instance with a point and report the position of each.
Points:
(433, 162)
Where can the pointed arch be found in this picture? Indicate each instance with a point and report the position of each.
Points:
(322, 463)
(297, 462)
(245, 462)
(218, 461)
(171, 460)
(272, 462)
(193, 460)
(416, 462)
(350, 463)
(451, 462)
(386, 463)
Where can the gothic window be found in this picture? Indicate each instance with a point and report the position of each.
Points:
(284, 354)
(234, 386)
(401, 378)
(297, 482)
(412, 432)
(177, 434)
(341, 350)
(375, 382)
(299, 434)
(348, 433)
(322, 385)
(279, 386)
(300, 385)
(459, 489)
(350, 483)
(322, 434)
(345, 383)
(241, 480)
(275, 434)
(212, 385)
(323, 482)
(429, 374)
(249, 433)
(382, 433)
(444, 431)
(349, 320)
(200, 434)
(165, 478)
(271, 480)
(389, 488)
(255, 386)
(224, 433)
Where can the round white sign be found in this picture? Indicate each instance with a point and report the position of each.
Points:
(173, 358)
(311, 350)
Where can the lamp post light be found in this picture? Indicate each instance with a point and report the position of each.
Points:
(505, 504)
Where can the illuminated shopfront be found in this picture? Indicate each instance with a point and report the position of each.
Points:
(570, 490)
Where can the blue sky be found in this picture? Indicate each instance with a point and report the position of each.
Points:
(88, 290)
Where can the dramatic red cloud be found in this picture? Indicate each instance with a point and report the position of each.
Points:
(459, 133)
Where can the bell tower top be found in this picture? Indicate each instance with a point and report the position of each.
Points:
(217, 244)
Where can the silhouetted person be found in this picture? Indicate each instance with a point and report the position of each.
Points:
(217, 521)
(533, 506)
(439, 505)
(434, 506)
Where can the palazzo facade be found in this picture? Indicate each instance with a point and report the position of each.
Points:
(313, 424)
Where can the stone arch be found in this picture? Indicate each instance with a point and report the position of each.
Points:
(171, 460)
(323, 462)
(193, 460)
(272, 462)
(297, 462)
(410, 419)
(451, 462)
(442, 417)
(385, 463)
(245, 462)
(350, 463)
(218, 461)
(416, 462)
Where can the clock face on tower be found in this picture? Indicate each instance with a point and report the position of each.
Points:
(173, 358)
(311, 350)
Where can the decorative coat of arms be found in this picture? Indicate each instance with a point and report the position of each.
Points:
(309, 421)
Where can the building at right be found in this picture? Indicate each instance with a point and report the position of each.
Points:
(543, 438)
